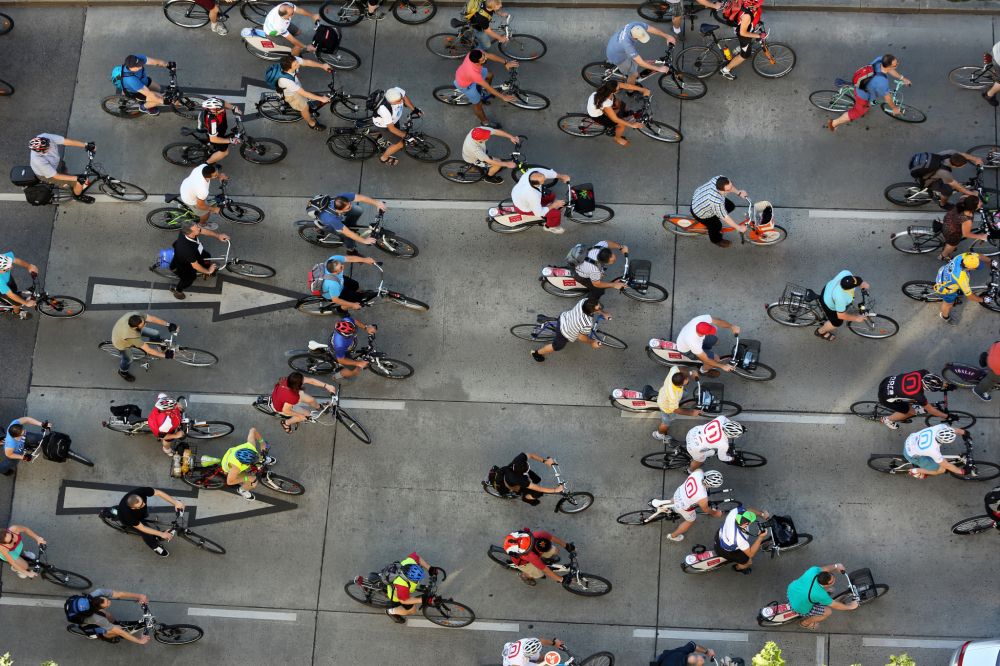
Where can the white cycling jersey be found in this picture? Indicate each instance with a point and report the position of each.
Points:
(692, 491)
(708, 440)
(513, 654)
(924, 443)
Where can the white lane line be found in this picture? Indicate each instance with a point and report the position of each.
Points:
(872, 214)
(728, 636)
(770, 417)
(880, 641)
(419, 204)
(30, 601)
(821, 651)
(475, 626)
(239, 399)
(243, 614)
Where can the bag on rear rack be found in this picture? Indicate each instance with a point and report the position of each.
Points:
(326, 39)
(495, 479)
(584, 197)
(783, 532)
(38, 195)
(55, 446)
(992, 502)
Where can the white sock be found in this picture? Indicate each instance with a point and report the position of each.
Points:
(677, 31)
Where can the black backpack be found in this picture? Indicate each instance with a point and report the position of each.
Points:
(924, 164)
(495, 479)
(326, 39)
(375, 99)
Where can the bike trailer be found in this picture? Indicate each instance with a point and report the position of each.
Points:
(748, 354)
(865, 584)
(583, 195)
(783, 532)
(164, 258)
(326, 39)
(710, 400)
(55, 446)
(127, 413)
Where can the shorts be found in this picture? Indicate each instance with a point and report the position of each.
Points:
(530, 570)
(950, 298)
(942, 188)
(473, 92)
(293, 30)
(696, 454)
(952, 233)
(736, 556)
(206, 4)
(560, 341)
(483, 41)
(298, 102)
(667, 419)
(628, 67)
(745, 44)
(604, 121)
(687, 514)
(817, 609)
(898, 406)
(676, 8)
(219, 147)
(832, 317)
(137, 95)
(860, 108)
(922, 462)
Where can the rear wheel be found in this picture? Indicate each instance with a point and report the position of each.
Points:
(274, 108)
(657, 11)
(351, 107)
(308, 364)
(587, 585)
(599, 659)
(316, 305)
(183, 153)
(310, 233)
(177, 634)
(242, 213)
(204, 543)
(282, 484)
(414, 12)
(596, 73)
(792, 315)
(580, 124)
(974, 525)
(575, 503)
(870, 410)
(120, 106)
(449, 613)
(834, 101)
(251, 269)
(168, 219)
(374, 596)
(683, 87)
(972, 78)
(921, 290)
(774, 60)
(73, 581)
(342, 59)
(209, 429)
(256, 11)
(527, 332)
(700, 61)
(185, 13)
(917, 240)
(263, 151)
(390, 368)
(352, 146)
(61, 307)
(890, 464)
(112, 522)
(674, 459)
(460, 171)
(448, 45)
(450, 95)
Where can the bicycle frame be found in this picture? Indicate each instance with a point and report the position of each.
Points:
(565, 277)
(550, 324)
(515, 220)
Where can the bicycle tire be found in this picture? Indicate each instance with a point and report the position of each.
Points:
(352, 146)
(274, 108)
(878, 327)
(310, 233)
(308, 364)
(530, 100)
(121, 107)
(870, 410)
(461, 172)
(188, 106)
(599, 215)
(524, 48)
(440, 613)
(351, 107)
(792, 316)
(61, 307)
(656, 11)
(451, 96)
(204, 478)
(988, 153)
(587, 585)
(241, 213)
(610, 341)
(974, 525)
(575, 502)
(596, 73)
(770, 237)
(185, 13)
(890, 463)
(670, 459)
(909, 113)
(654, 293)
(204, 543)
(264, 151)
(550, 288)
(6, 89)
(983, 471)
(580, 124)
(831, 100)
(599, 659)
(124, 428)
(79, 457)
(109, 348)
(177, 634)
(376, 599)
(989, 247)
(448, 45)
(6, 24)
(525, 332)
(729, 408)
(670, 225)
(957, 379)
(909, 195)
(119, 189)
(921, 290)
(111, 522)
(749, 459)
(803, 540)
(917, 240)
(960, 419)
(426, 148)
(168, 219)
(685, 89)
(250, 269)
(700, 61)
(497, 554)
(343, 14)
(763, 373)
(660, 131)
(397, 246)
(990, 198)
(195, 358)
(967, 77)
(354, 426)
(343, 60)
(421, 11)
(391, 368)
(784, 61)
(210, 429)
(282, 484)
(256, 11)
(407, 301)
(64, 578)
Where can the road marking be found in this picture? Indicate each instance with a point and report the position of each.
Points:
(475, 626)
(872, 214)
(770, 417)
(729, 636)
(243, 614)
(821, 651)
(419, 204)
(347, 403)
(880, 641)
(8, 600)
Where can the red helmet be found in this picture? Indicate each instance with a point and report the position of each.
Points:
(345, 328)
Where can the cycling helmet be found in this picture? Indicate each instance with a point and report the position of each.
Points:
(933, 382)
(970, 260)
(517, 543)
(213, 104)
(345, 328)
(165, 403)
(732, 429)
(713, 479)
(531, 647)
(246, 456)
(5, 263)
(394, 95)
(38, 144)
(946, 435)
(414, 573)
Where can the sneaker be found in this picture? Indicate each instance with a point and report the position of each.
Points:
(84, 198)
(161, 551)
(948, 320)
(126, 375)
(992, 101)
(661, 437)
(179, 295)
(375, 16)
(726, 74)
(245, 494)
(220, 29)
(21, 575)
(723, 243)
(745, 572)
(24, 314)
(891, 425)
(398, 619)
(985, 397)
(538, 357)
(678, 538)
(554, 230)
(318, 126)
(496, 180)
(150, 112)
(677, 31)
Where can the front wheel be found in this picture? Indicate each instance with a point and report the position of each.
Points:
(426, 148)
(971, 78)
(907, 113)
(204, 543)
(533, 333)
(407, 302)
(652, 293)
(390, 368)
(728, 408)
(789, 315)
(762, 373)
(877, 327)
(63, 578)
(663, 132)
(921, 290)
(671, 459)
(185, 13)
(958, 419)
(61, 307)
(282, 484)
(575, 503)
(979, 471)
(497, 554)
(608, 340)
(597, 216)
(530, 100)
(802, 539)
(683, 87)
(974, 525)
(119, 189)
(197, 358)
(587, 585)
(250, 269)
(909, 194)
(834, 101)
(188, 106)
(263, 151)
(342, 59)
(881, 589)
(342, 13)
(774, 60)
(396, 246)
(748, 459)
(110, 521)
(209, 429)
(241, 213)
(917, 240)
(354, 426)
(523, 47)
(449, 614)
(771, 236)
(177, 634)
(700, 61)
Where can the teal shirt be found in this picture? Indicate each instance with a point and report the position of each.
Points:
(805, 591)
(838, 299)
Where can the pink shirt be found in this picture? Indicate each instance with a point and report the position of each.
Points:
(468, 73)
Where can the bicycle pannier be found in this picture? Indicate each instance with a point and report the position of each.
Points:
(316, 275)
(924, 164)
(128, 413)
(584, 196)
(165, 257)
(79, 607)
(55, 446)
(495, 478)
(326, 39)
(783, 532)
(38, 195)
(23, 176)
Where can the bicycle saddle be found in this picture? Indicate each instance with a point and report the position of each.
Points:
(170, 198)
(313, 345)
(657, 503)
(541, 319)
(458, 23)
(708, 28)
(841, 83)
(811, 296)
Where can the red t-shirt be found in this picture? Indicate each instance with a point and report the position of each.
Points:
(403, 591)
(158, 419)
(532, 556)
(993, 358)
(468, 73)
(282, 395)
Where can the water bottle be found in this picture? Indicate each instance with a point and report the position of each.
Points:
(726, 52)
(176, 471)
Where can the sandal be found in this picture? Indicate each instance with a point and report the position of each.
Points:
(389, 161)
(287, 428)
(810, 627)
(829, 337)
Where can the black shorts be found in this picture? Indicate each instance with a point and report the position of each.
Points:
(560, 341)
(736, 556)
(745, 44)
(898, 406)
(833, 317)
(217, 147)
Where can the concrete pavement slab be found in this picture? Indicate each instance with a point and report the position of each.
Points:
(849, 650)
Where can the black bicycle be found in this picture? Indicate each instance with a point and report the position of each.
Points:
(582, 124)
(771, 60)
(189, 14)
(192, 427)
(168, 634)
(569, 502)
(351, 12)
(523, 99)
(872, 410)
(925, 290)
(173, 219)
(966, 375)
(93, 174)
(544, 330)
(317, 305)
(319, 359)
(988, 521)
(799, 306)
(663, 509)
(674, 83)
(975, 470)
(677, 457)
(921, 239)
(364, 140)
(54, 446)
(465, 173)
(183, 104)
(177, 527)
(312, 231)
(255, 151)
(516, 46)
(975, 77)
(50, 305)
(372, 590)
(913, 194)
(661, 11)
(39, 564)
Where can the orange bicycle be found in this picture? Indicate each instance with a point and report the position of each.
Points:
(761, 229)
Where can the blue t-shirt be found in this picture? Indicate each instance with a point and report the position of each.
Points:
(621, 46)
(341, 343)
(10, 443)
(332, 219)
(334, 284)
(836, 298)
(133, 82)
(878, 85)
(5, 276)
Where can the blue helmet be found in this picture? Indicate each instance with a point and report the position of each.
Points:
(246, 456)
(414, 573)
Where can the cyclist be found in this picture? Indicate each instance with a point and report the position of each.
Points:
(338, 288)
(527, 651)
(693, 495)
(732, 542)
(136, 84)
(213, 121)
(953, 279)
(623, 52)
(480, 23)
(669, 399)
(12, 546)
(278, 23)
(14, 441)
(164, 422)
(747, 24)
(530, 197)
(957, 225)
(474, 81)
(713, 438)
(133, 510)
(573, 324)
(608, 110)
(212, 7)
(474, 152)
(93, 614)
(131, 330)
(532, 551)
(47, 164)
(190, 257)
(809, 595)
(387, 114)
(923, 449)
(237, 460)
(699, 336)
(689, 654)
(412, 572)
(194, 192)
(519, 478)
(8, 286)
(871, 83)
(991, 95)
(342, 342)
(992, 376)
(710, 206)
(341, 215)
(590, 271)
(291, 90)
(904, 395)
(934, 171)
(287, 394)
(837, 295)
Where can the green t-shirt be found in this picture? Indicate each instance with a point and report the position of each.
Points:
(805, 591)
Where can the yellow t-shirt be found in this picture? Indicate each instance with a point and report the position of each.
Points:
(669, 397)
(229, 460)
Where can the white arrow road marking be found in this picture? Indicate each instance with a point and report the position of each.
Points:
(248, 99)
(234, 297)
(209, 503)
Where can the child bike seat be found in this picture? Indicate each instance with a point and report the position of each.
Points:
(708, 28)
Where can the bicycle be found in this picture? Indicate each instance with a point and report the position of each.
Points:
(319, 359)
(976, 524)
(263, 405)
(674, 83)
(188, 14)
(965, 375)
(761, 229)
(573, 580)
(255, 151)
(250, 269)
(663, 509)
(196, 358)
(205, 473)
(704, 560)
(913, 194)
(569, 502)
(352, 12)
(319, 306)
(872, 410)
(173, 219)
(523, 99)
(707, 399)
(193, 427)
(518, 46)
(50, 305)
(272, 105)
(772, 60)
(924, 291)
(39, 564)
(177, 527)
(861, 587)
(799, 306)
(261, 45)
(896, 463)
(372, 591)
(313, 232)
(561, 281)
(597, 659)
(924, 240)
(544, 330)
(364, 140)
(974, 77)
(465, 173)
(55, 448)
(6, 89)
(168, 634)
(505, 218)
(744, 358)
(677, 457)
(93, 173)
(582, 124)
(185, 105)
(842, 99)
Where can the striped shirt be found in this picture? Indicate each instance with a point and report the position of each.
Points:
(574, 323)
(708, 201)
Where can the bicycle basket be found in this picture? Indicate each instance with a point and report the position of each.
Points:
(639, 271)
(783, 532)
(748, 354)
(710, 399)
(583, 197)
(796, 297)
(865, 584)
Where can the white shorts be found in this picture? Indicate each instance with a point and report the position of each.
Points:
(697, 454)
(687, 514)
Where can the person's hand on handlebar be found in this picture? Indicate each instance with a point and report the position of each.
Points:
(558, 203)
(563, 177)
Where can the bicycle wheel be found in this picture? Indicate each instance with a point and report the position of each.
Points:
(523, 47)
(177, 634)
(672, 459)
(256, 11)
(989, 247)
(121, 107)
(530, 100)
(803, 539)
(890, 464)
(497, 554)
(109, 348)
(426, 148)
(6, 24)
(450, 95)
(342, 59)
(774, 60)
(921, 290)
(448, 45)
(989, 154)
(204, 543)
(208, 478)
(917, 240)
(656, 11)
(749, 459)
(965, 375)
(263, 151)
(316, 305)
(390, 368)
(597, 216)
(575, 503)
(587, 585)
(274, 108)
(373, 596)
(196, 358)
(449, 613)
(580, 124)
(770, 237)
(762, 373)
(634, 518)
(414, 12)
(909, 114)
(351, 146)
(63, 578)
(282, 484)
(596, 73)
(974, 525)
(353, 426)
(241, 213)
(119, 189)
(6, 89)
(960, 419)
(870, 410)
(188, 106)
(729, 408)
(971, 78)
(308, 364)
(251, 269)
(112, 522)
(397, 246)
(831, 100)
(343, 14)
(185, 13)
(683, 87)
(658, 131)
(209, 429)
(460, 171)
(700, 61)
(878, 327)
(909, 194)
(653, 293)
(312, 235)
(351, 107)
(979, 471)
(608, 340)
(528, 332)
(599, 659)
(61, 307)
(790, 315)
(407, 301)
(168, 219)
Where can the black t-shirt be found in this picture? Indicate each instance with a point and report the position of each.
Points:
(512, 479)
(186, 251)
(907, 387)
(133, 517)
(677, 656)
(481, 20)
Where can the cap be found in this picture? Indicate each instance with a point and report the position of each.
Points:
(850, 282)
(704, 328)
(639, 34)
(481, 134)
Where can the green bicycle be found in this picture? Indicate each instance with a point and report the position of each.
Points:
(173, 219)
(842, 99)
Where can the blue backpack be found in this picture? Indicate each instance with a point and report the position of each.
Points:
(79, 607)
(165, 257)
(274, 74)
(116, 78)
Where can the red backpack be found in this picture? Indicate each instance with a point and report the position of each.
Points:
(731, 11)
(863, 76)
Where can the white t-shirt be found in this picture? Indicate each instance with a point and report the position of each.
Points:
(692, 491)
(474, 151)
(592, 269)
(732, 536)
(289, 87)
(688, 340)
(194, 187)
(274, 24)
(709, 440)
(389, 114)
(526, 197)
(924, 443)
(593, 110)
(513, 654)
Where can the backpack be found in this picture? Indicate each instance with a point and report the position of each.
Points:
(317, 205)
(863, 76)
(391, 572)
(924, 164)
(116, 78)
(472, 7)
(375, 99)
(326, 39)
(783, 532)
(316, 276)
(274, 74)
(578, 254)
(38, 195)
(79, 607)
(731, 11)
(495, 480)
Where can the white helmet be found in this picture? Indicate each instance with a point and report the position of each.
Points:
(531, 646)
(733, 429)
(946, 435)
(5, 263)
(713, 479)
(165, 403)
(394, 95)
(213, 104)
